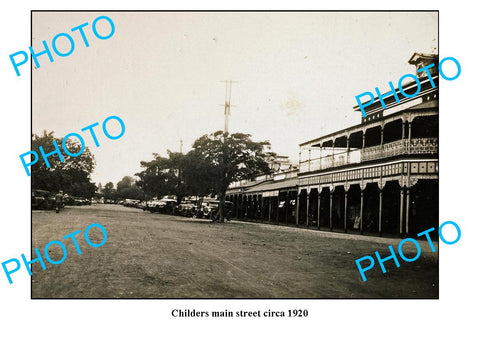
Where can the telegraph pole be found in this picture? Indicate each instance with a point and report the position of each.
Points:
(228, 97)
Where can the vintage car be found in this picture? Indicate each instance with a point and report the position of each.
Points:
(141, 205)
(85, 201)
(187, 209)
(163, 206)
(81, 201)
(168, 206)
(210, 209)
(153, 205)
(42, 200)
(131, 203)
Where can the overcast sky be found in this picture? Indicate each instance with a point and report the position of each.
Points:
(297, 73)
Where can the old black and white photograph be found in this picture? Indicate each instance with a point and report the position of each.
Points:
(238, 170)
(235, 154)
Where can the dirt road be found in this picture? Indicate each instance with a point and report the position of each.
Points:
(161, 256)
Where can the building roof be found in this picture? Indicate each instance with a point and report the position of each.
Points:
(419, 60)
(416, 57)
(270, 186)
(375, 111)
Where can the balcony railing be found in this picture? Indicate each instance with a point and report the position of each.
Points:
(400, 147)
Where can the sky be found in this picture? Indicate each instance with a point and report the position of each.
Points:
(297, 76)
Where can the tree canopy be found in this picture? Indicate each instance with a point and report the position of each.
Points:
(72, 176)
(216, 161)
(127, 188)
(163, 176)
(224, 158)
(109, 191)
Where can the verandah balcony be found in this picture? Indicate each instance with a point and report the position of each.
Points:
(399, 147)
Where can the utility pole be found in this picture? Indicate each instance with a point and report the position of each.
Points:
(181, 145)
(228, 97)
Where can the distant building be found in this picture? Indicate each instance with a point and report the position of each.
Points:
(281, 164)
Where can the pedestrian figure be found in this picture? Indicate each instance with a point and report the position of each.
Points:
(58, 201)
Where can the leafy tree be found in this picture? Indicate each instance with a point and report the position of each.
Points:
(72, 176)
(153, 177)
(109, 187)
(216, 161)
(198, 174)
(220, 159)
(127, 188)
(99, 191)
(109, 191)
(125, 183)
(165, 176)
(177, 184)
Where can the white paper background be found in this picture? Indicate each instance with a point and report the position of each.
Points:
(454, 315)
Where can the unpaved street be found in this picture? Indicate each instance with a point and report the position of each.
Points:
(161, 256)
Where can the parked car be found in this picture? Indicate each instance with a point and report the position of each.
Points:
(210, 209)
(153, 205)
(68, 200)
(42, 200)
(168, 206)
(141, 205)
(187, 209)
(163, 206)
(130, 202)
(78, 201)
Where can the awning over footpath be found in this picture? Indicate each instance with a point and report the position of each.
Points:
(271, 189)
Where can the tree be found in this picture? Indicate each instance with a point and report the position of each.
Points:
(127, 188)
(72, 176)
(165, 176)
(198, 174)
(109, 191)
(125, 183)
(224, 159)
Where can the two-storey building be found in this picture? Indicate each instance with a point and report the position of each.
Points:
(380, 176)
